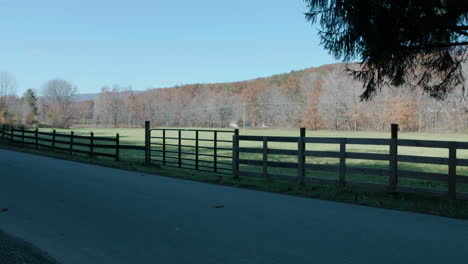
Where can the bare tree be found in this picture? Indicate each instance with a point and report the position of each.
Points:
(8, 87)
(58, 94)
(110, 106)
(130, 105)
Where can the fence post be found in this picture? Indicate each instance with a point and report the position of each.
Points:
(301, 156)
(117, 147)
(164, 147)
(71, 142)
(53, 140)
(265, 157)
(342, 180)
(215, 152)
(22, 136)
(452, 170)
(12, 132)
(36, 137)
(196, 150)
(147, 143)
(393, 156)
(180, 148)
(91, 144)
(235, 154)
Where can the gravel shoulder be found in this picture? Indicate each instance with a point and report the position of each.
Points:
(16, 251)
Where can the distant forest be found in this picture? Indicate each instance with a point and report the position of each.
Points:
(317, 98)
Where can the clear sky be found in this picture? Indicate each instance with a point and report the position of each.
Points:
(154, 43)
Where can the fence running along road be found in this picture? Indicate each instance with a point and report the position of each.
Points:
(90, 145)
(224, 152)
(392, 173)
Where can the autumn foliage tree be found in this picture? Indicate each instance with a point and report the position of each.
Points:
(312, 116)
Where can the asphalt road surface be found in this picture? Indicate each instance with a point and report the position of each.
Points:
(81, 213)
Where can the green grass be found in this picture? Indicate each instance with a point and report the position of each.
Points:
(133, 160)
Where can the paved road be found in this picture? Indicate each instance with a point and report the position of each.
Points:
(82, 213)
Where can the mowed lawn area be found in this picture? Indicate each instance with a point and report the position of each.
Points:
(136, 137)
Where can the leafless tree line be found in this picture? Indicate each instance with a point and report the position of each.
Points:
(323, 98)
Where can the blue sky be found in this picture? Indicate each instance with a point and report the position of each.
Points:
(154, 43)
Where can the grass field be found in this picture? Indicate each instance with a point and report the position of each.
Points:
(136, 137)
(133, 159)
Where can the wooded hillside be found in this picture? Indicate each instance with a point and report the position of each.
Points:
(317, 98)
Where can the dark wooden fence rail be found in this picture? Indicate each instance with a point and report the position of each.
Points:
(342, 169)
(90, 145)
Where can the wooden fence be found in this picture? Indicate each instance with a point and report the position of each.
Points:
(390, 178)
(393, 173)
(186, 149)
(91, 145)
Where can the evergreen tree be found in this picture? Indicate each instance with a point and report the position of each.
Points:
(30, 99)
(402, 43)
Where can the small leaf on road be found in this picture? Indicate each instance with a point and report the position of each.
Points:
(218, 206)
(4, 209)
